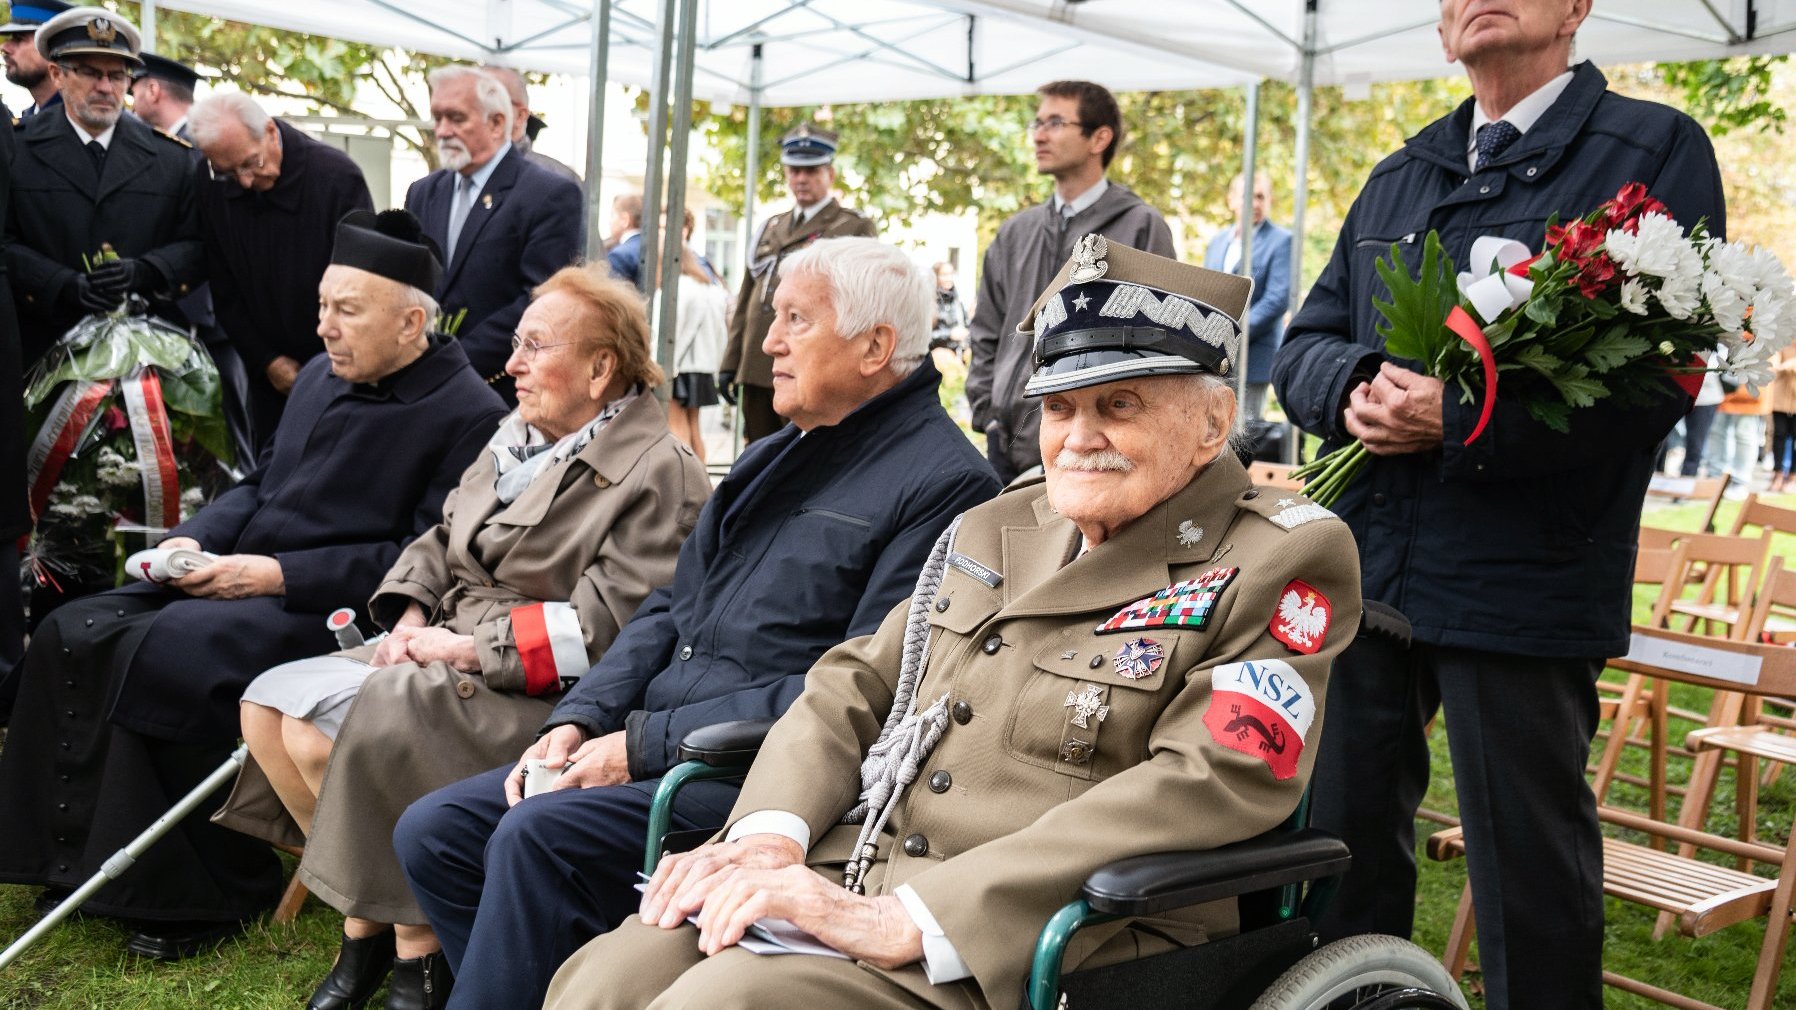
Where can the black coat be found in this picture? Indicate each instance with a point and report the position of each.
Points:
(142, 205)
(1522, 542)
(353, 474)
(15, 517)
(265, 252)
(525, 225)
(807, 543)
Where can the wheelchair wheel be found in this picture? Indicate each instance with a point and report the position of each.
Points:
(1365, 973)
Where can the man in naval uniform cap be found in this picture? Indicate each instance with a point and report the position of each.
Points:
(1127, 655)
(162, 92)
(745, 375)
(128, 698)
(25, 66)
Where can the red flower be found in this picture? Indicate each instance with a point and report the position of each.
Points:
(115, 419)
(1575, 242)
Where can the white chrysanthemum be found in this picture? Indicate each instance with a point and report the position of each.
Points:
(1657, 249)
(1681, 294)
(1729, 283)
(114, 469)
(1633, 297)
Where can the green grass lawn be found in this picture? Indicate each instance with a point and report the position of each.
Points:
(83, 965)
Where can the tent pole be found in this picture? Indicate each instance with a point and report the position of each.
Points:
(1300, 188)
(1250, 129)
(751, 173)
(148, 28)
(598, 74)
(674, 238)
(652, 173)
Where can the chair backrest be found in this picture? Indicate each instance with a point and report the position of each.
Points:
(1776, 599)
(1704, 489)
(1754, 512)
(1654, 555)
(1275, 474)
(1740, 559)
(1659, 538)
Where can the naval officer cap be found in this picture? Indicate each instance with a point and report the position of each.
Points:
(1117, 313)
(29, 15)
(391, 244)
(164, 69)
(806, 145)
(89, 31)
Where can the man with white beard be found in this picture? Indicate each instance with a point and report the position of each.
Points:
(502, 222)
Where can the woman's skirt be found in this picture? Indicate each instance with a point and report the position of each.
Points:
(694, 389)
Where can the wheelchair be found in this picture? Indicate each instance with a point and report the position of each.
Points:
(1279, 881)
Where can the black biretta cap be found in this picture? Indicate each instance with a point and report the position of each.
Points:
(391, 244)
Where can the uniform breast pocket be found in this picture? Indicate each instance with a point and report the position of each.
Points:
(1089, 704)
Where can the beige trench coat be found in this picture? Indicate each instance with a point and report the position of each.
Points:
(600, 531)
(1028, 791)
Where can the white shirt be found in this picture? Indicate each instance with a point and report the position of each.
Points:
(1523, 116)
(485, 172)
(1083, 200)
(82, 135)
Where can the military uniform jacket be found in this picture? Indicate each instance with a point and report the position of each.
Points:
(780, 237)
(1061, 755)
(142, 204)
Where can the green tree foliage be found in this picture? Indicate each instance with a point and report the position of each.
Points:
(1727, 95)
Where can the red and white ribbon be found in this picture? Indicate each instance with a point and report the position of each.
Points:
(550, 644)
(56, 439)
(155, 451)
(1498, 280)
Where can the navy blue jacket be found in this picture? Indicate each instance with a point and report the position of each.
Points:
(1522, 542)
(808, 542)
(625, 259)
(1271, 292)
(524, 226)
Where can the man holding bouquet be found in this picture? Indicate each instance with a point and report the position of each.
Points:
(1511, 555)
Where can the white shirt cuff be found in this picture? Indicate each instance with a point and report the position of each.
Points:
(941, 962)
(772, 822)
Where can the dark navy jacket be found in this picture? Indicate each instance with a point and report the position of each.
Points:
(1522, 542)
(524, 226)
(809, 542)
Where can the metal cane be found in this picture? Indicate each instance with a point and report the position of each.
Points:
(122, 860)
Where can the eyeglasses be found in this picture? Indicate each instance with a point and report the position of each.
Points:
(117, 78)
(249, 167)
(1052, 124)
(528, 347)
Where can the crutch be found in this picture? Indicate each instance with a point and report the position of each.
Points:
(119, 862)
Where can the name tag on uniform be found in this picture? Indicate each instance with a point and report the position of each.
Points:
(975, 570)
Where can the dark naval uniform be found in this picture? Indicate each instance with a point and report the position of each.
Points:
(140, 202)
(129, 698)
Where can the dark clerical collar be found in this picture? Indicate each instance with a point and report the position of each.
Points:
(383, 388)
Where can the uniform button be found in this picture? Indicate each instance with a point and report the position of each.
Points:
(64, 745)
(1378, 498)
(940, 781)
(64, 778)
(62, 867)
(67, 651)
(70, 683)
(1531, 172)
(941, 605)
(686, 652)
(121, 613)
(1250, 494)
(992, 645)
(963, 712)
(62, 839)
(90, 622)
(1097, 661)
(1483, 189)
(69, 712)
(916, 845)
(64, 807)
(464, 689)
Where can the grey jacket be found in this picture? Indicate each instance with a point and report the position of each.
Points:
(1030, 249)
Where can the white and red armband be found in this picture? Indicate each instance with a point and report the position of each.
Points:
(549, 644)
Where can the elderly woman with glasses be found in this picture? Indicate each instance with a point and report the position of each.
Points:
(556, 534)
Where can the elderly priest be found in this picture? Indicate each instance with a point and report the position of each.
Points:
(1092, 648)
(129, 698)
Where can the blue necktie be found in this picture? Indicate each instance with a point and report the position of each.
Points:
(459, 206)
(1493, 140)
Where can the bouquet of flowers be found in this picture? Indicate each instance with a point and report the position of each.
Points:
(129, 439)
(1615, 303)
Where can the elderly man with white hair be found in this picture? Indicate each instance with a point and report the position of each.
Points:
(1126, 657)
(504, 223)
(269, 201)
(522, 136)
(128, 698)
(817, 532)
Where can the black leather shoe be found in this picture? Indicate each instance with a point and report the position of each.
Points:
(175, 941)
(362, 965)
(49, 900)
(420, 983)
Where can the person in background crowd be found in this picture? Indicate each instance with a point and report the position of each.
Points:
(745, 375)
(1271, 284)
(949, 331)
(570, 518)
(522, 137)
(1076, 132)
(91, 175)
(1693, 430)
(1737, 440)
(704, 309)
(1783, 420)
(816, 533)
(25, 66)
(625, 254)
(1471, 541)
(162, 92)
(15, 511)
(128, 698)
(270, 198)
(503, 222)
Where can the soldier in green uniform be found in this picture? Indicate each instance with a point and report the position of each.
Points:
(1126, 656)
(746, 373)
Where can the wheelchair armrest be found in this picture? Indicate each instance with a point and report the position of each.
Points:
(1147, 885)
(726, 743)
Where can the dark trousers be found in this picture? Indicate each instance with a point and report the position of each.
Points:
(1696, 437)
(1519, 730)
(513, 892)
(758, 416)
(12, 625)
(1783, 441)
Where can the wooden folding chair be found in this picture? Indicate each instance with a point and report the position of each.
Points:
(1756, 514)
(1702, 897)
(294, 897)
(1681, 489)
(1275, 474)
(1732, 564)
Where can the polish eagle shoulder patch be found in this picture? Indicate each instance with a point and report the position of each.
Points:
(1261, 708)
(1301, 620)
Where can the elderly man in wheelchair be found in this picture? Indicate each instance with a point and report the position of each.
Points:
(1106, 688)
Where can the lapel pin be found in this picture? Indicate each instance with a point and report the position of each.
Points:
(486, 200)
(1190, 535)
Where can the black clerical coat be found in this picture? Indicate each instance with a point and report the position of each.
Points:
(15, 519)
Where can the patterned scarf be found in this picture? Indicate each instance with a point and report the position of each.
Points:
(521, 453)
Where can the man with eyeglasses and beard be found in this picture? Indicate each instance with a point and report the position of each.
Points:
(504, 223)
(18, 49)
(89, 177)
